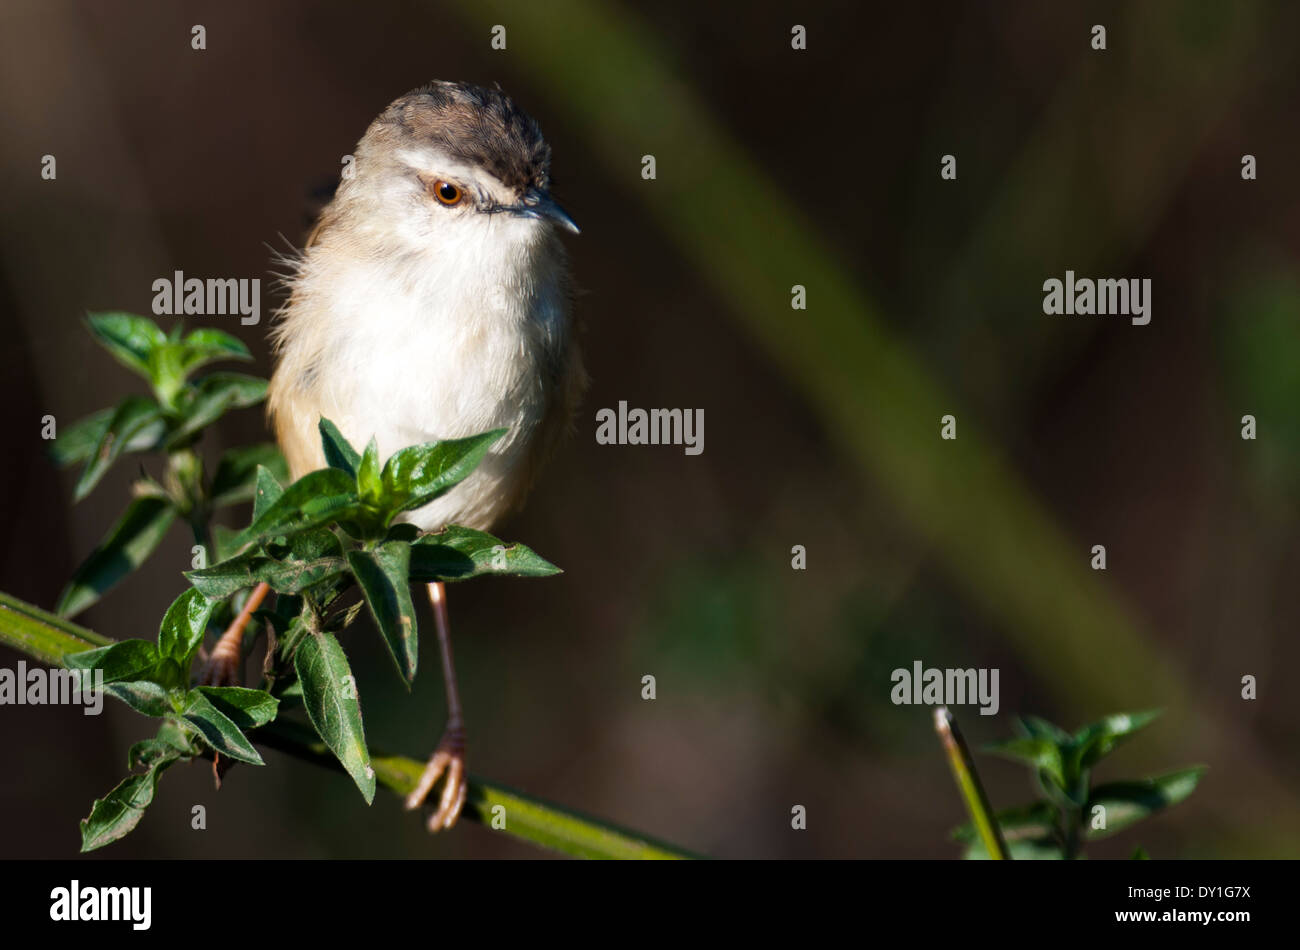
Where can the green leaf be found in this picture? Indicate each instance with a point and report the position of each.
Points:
(166, 372)
(75, 442)
(1129, 802)
(266, 491)
(246, 708)
(120, 662)
(183, 627)
(1099, 739)
(148, 753)
(383, 575)
(1037, 820)
(211, 398)
(218, 730)
(308, 546)
(129, 338)
(235, 480)
(308, 557)
(171, 364)
(208, 345)
(254, 567)
(179, 735)
(1040, 753)
(136, 420)
(369, 487)
(127, 546)
(457, 553)
(316, 499)
(338, 451)
(117, 813)
(214, 341)
(143, 696)
(170, 674)
(416, 475)
(78, 442)
(1036, 728)
(330, 696)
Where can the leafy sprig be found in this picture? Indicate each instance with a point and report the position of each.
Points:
(298, 544)
(312, 542)
(1074, 811)
(170, 420)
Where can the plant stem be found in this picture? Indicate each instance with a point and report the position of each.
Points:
(1073, 818)
(186, 483)
(968, 783)
(542, 823)
(41, 634)
(49, 638)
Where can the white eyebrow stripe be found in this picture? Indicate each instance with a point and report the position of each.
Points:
(437, 163)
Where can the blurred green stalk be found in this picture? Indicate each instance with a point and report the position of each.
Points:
(743, 234)
(968, 783)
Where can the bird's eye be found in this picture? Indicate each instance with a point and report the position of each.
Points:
(446, 193)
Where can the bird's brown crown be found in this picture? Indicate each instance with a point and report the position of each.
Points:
(477, 125)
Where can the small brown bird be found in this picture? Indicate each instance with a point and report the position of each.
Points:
(432, 302)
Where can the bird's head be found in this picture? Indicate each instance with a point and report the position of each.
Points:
(453, 167)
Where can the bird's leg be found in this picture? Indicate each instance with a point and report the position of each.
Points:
(450, 754)
(221, 668)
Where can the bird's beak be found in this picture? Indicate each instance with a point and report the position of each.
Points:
(539, 204)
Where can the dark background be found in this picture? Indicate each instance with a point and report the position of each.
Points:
(773, 685)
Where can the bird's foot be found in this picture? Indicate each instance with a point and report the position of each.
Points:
(450, 759)
(221, 668)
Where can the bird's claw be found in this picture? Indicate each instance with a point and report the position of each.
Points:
(220, 669)
(449, 759)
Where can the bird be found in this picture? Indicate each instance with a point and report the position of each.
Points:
(432, 301)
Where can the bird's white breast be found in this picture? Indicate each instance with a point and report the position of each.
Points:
(434, 346)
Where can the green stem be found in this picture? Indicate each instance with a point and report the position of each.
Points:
(1074, 832)
(49, 638)
(186, 483)
(968, 783)
(43, 635)
(540, 822)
